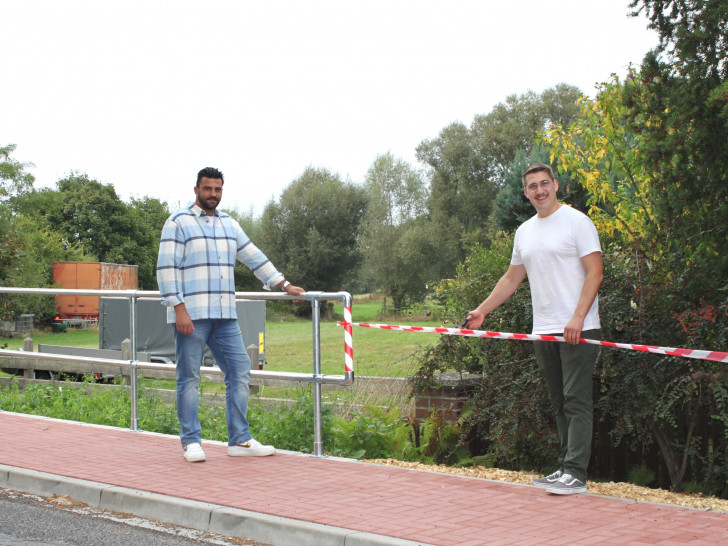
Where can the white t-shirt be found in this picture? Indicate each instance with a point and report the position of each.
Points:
(551, 248)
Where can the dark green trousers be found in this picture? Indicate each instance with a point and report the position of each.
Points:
(568, 371)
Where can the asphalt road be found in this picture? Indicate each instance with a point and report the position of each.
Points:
(30, 520)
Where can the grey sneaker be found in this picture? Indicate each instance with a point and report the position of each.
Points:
(194, 453)
(566, 485)
(251, 448)
(548, 480)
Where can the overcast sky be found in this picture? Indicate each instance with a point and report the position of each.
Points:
(143, 94)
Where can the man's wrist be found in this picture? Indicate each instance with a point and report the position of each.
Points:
(285, 284)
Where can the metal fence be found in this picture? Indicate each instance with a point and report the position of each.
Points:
(134, 365)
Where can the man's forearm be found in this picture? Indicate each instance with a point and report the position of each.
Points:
(504, 289)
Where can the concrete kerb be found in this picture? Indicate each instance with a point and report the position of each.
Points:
(198, 515)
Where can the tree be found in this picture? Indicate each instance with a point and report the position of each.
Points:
(245, 280)
(91, 215)
(604, 155)
(692, 35)
(678, 103)
(29, 245)
(460, 194)
(148, 215)
(13, 178)
(467, 166)
(310, 232)
(10, 247)
(390, 235)
(459, 181)
(516, 123)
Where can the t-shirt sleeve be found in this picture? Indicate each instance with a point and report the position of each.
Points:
(587, 238)
(516, 254)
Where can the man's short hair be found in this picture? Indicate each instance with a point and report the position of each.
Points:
(538, 167)
(209, 172)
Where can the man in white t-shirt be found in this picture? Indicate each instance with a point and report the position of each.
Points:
(560, 252)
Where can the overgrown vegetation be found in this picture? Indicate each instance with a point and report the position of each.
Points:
(371, 432)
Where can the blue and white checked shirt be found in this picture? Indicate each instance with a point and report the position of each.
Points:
(196, 263)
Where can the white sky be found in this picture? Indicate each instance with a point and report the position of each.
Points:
(143, 94)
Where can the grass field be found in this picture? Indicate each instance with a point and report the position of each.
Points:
(289, 343)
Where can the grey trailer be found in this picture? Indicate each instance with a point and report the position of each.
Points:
(156, 337)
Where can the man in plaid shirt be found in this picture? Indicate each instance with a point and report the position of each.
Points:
(197, 253)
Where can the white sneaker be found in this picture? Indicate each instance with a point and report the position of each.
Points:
(194, 453)
(251, 448)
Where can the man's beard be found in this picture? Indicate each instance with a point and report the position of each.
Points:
(207, 205)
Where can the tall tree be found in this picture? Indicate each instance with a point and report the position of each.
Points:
(693, 38)
(310, 232)
(678, 103)
(90, 214)
(516, 123)
(605, 155)
(392, 248)
(460, 190)
(467, 166)
(29, 244)
(148, 215)
(245, 280)
(14, 179)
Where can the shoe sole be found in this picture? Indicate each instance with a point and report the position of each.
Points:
(247, 454)
(565, 491)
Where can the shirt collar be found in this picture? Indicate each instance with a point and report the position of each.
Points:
(199, 211)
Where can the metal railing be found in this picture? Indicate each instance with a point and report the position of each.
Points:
(134, 365)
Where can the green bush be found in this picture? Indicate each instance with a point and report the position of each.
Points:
(510, 420)
(373, 433)
(647, 406)
(290, 427)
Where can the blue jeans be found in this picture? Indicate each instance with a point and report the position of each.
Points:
(225, 340)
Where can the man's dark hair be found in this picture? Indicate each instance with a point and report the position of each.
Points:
(209, 172)
(538, 167)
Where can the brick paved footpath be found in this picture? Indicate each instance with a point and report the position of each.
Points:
(411, 505)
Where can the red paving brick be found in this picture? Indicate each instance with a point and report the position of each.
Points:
(404, 503)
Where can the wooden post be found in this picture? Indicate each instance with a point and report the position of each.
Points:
(254, 355)
(28, 372)
(126, 355)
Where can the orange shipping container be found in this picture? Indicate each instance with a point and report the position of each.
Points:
(94, 276)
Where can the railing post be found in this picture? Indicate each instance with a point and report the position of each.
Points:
(134, 425)
(317, 424)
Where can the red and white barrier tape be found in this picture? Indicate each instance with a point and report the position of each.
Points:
(715, 356)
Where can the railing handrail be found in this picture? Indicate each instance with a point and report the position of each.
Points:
(317, 378)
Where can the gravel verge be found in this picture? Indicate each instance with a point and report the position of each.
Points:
(611, 489)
